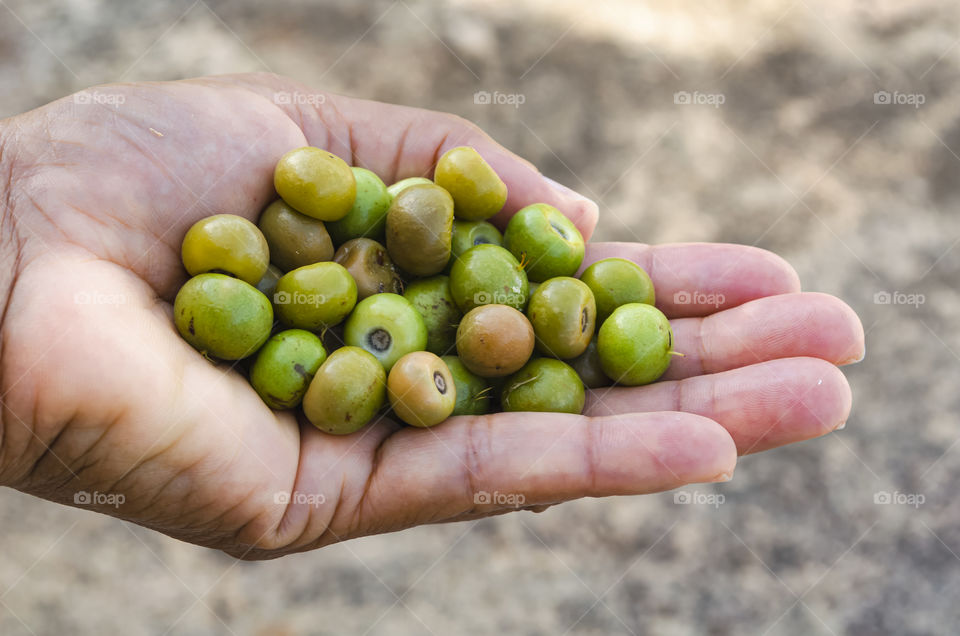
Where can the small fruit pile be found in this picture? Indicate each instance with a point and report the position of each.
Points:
(423, 306)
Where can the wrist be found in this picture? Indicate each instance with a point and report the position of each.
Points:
(9, 264)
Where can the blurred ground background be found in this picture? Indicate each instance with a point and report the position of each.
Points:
(860, 196)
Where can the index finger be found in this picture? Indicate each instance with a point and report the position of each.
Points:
(400, 141)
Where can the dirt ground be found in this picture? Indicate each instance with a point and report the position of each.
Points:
(820, 151)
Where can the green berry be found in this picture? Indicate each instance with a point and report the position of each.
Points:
(368, 216)
(226, 244)
(316, 296)
(387, 326)
(432, 298)
(488, 274)
(474, 394)
(563, 314)
(222, 317)
(545, 385)
(635, 344)
(316, 182)
(478, 192)
(284, 367)
(348, 390)
(545, 241)
(615, 282)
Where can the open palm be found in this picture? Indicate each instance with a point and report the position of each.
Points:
(101, 396)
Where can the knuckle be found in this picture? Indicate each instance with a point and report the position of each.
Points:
(464, 125)
(477, 453)
(593, 455)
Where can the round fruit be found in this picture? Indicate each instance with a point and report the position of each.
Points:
(488, 274)
(467, 234)
(403, 184)
(368, 216)
(268, 284)
(371, 267)
(316, 296)
(295, 239)
(346, 392)
(615, 282)
(222, 317)
(226, 244)
(545, 385)
(474, 394)
(494, 340)
(588, 367)
(478, 193)
(316, 182)
(387, 326)
(421, 390)
(546, 242)
(285, 366)
(635, 344)
(431, 297)
(419, 228)
(563, 314)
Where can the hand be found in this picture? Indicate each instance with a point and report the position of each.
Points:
(101, 395)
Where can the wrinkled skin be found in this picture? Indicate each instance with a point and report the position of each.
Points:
(105, 396)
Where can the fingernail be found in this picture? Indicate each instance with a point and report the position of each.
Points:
(863, 354)
(722, 477)
(567, 192)
(842, 426)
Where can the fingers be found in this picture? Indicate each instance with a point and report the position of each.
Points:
(472, 465)
(399, 141)
(697, 279)
(787, 326)
(762, 406)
